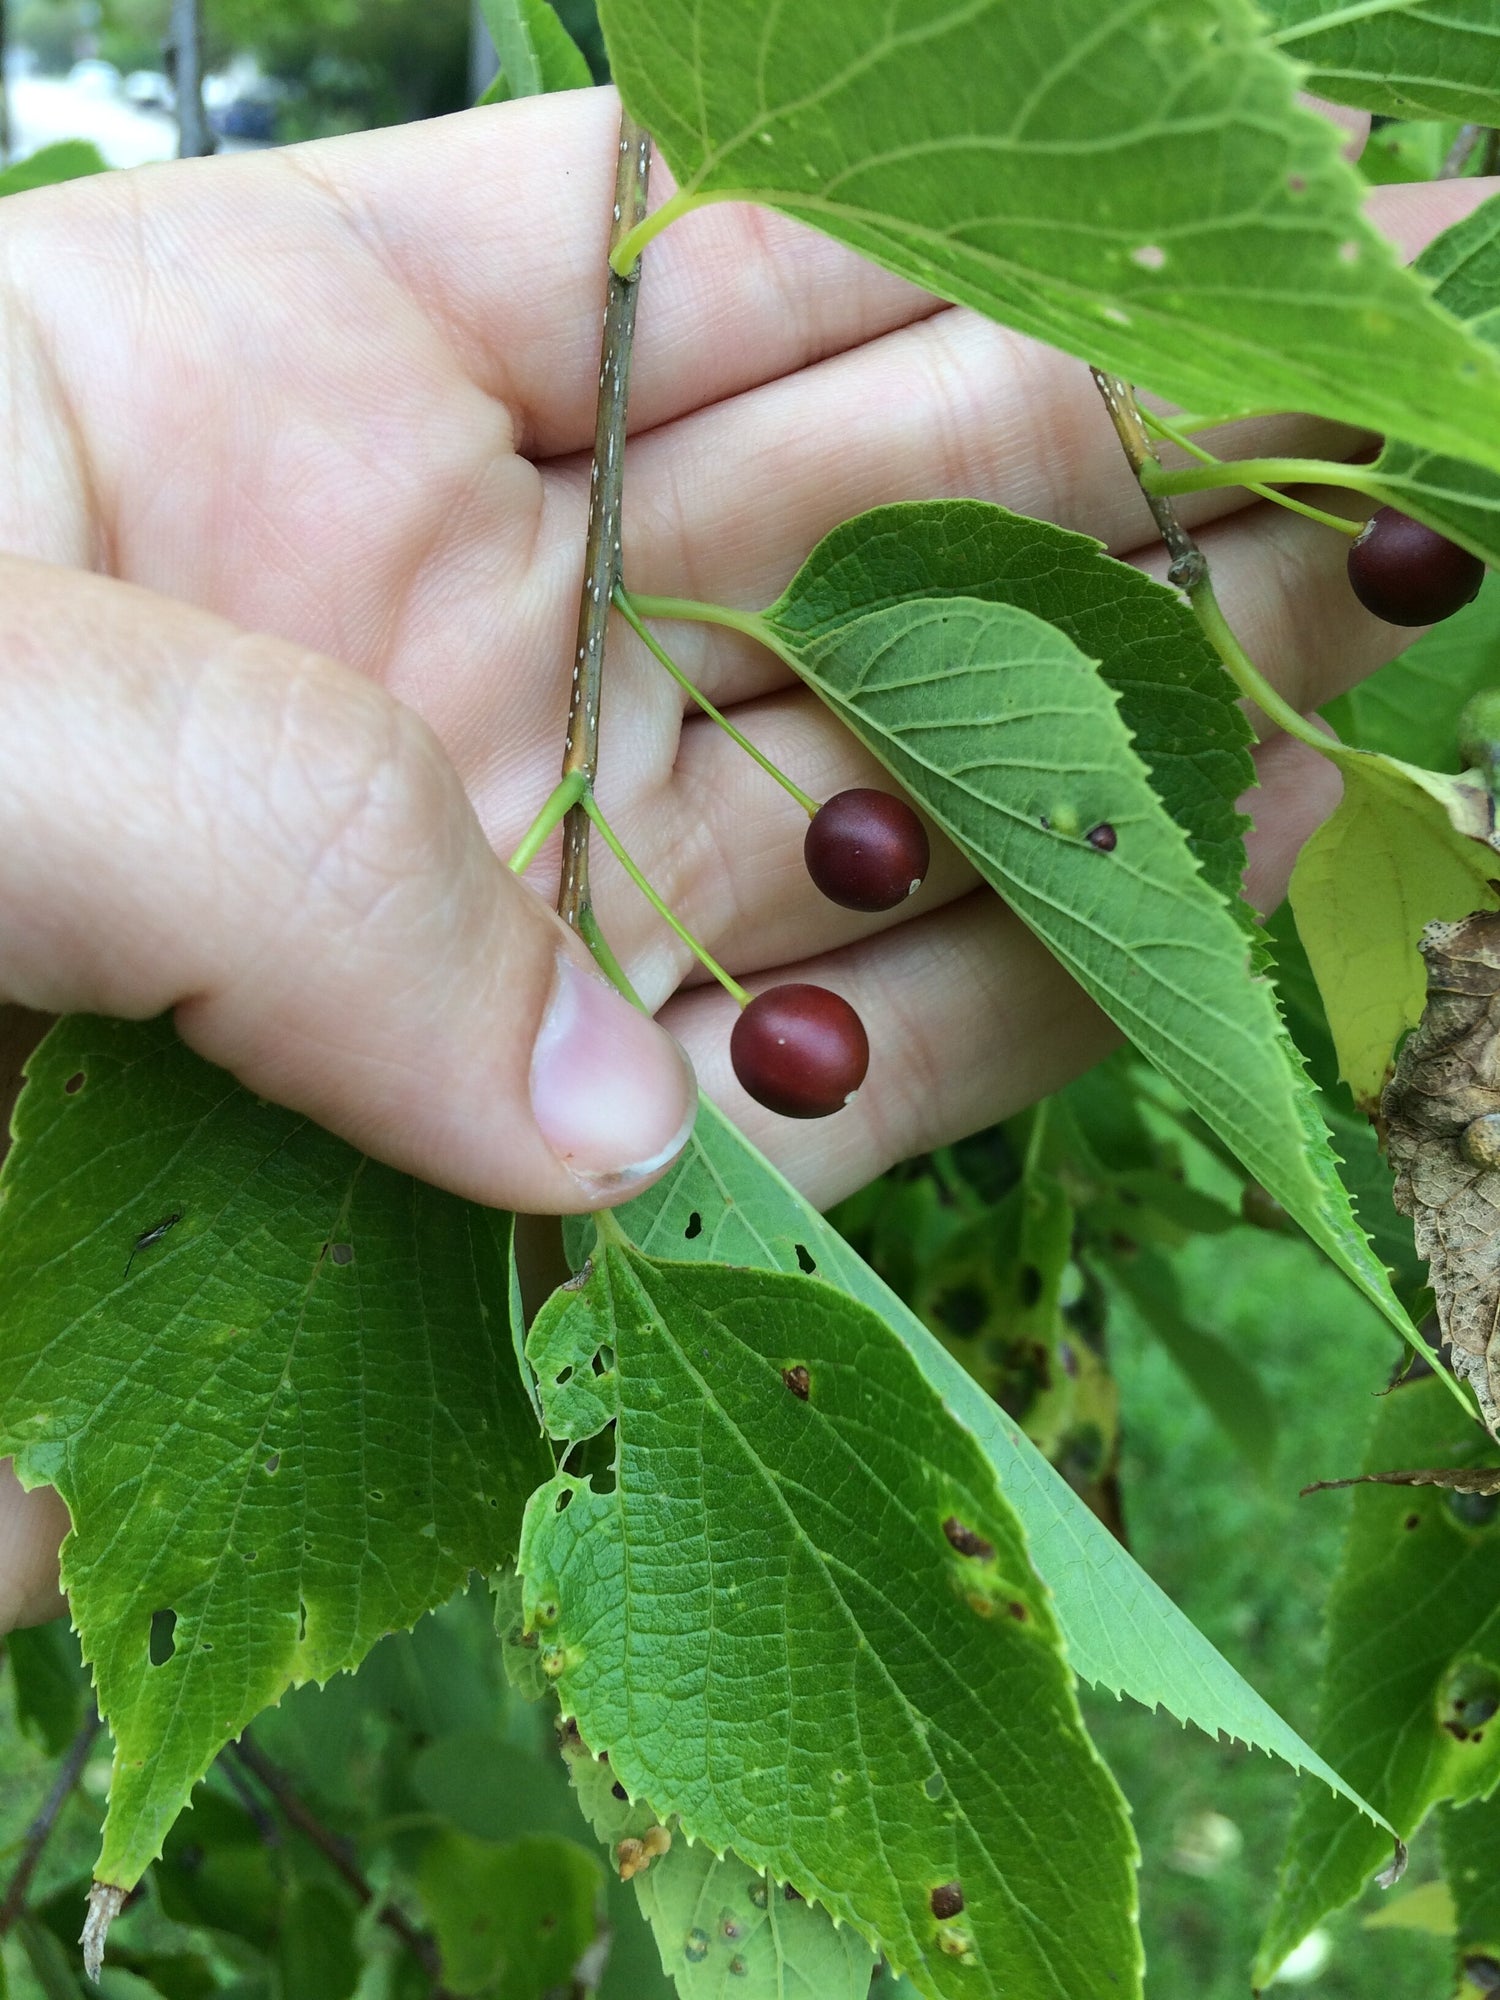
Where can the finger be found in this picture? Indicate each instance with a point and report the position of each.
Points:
(32, 1526)
(1354, 125)
(970, 1018)
(195, 819)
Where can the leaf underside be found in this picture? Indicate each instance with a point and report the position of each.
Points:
(1131, 181)
(1402, 58)
(1009, 737)
(296, 1425)
(770, 1629)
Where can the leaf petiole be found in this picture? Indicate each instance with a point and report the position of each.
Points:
(700, 951)
(1258, 472)
(565, 795)
(627, 610)
(1178, 436)
(1248, 677)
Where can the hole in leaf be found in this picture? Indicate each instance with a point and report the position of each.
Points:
(75, 1083)
(162, 1644)
(1349, 252)
(694, 1226)
(806, 1259)
(935, 1786)
(565, 1377)
(301, 1622)
(619, 1790)
(565, 1500)
(273, 1462)
(963, 1309)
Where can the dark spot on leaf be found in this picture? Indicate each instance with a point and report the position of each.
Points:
(946, 1900)
(565, 1500)
(1068, 1358)
(798, 1381)
(620, 1792)
(694, 1226)
(792, 1895)
(738, 1967)
(1029, 1285)
(695, 1946)
(934, 1785)
(1412, 1521)
(1470, 1697)
(1018, 1611)
(162, 1645)
(806, 1259)
(1102, 837)
(565, 1377)
(548, 1921)
(966, 1541)
(75, 1083)
(342, 1253)
(1484, 1972)
(273, 1461)
(249, 1556)
(962, 1309)
(731, 1926)
(1296, 183)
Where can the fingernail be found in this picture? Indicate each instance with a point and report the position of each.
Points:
(613, 1094)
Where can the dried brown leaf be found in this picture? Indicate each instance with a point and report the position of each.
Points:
(1441, 1111)
(1484, 1479)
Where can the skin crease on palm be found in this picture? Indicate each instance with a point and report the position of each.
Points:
(316, 424)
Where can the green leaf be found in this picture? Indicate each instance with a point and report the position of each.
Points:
(1402, 58)
(1227, 1386)
(315, 1952)
(1389, 861)
(1008, 736)
(770, 1626)
(294, 1425)
(1176, 700)
(1445, 486)
(512, 1922)
(537, 54)
(68, 160)
(1471, 1840)
(724, 1203)
(1413, 1640)
(47, 1676)
(1410, 708)
(1129, 180)
(1363, 1167)
(723, 1931)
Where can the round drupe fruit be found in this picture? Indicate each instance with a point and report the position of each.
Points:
(866, 850)
(800, 1051)
(1409, 574)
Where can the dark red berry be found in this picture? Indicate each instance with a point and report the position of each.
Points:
(1409, 574)
(800, 1050)
(866, 850)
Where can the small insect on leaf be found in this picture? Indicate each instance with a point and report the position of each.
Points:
(151, 1236)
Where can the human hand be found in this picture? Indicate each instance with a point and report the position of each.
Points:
(343, 396)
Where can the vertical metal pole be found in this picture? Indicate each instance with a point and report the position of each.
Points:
(184, 54)
(483, 62)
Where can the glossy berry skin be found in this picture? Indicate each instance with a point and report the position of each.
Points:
(866, 850)
(1409, 574)
(800, 1051)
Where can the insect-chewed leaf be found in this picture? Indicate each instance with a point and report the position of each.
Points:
(1442, 1113)
(771, 1632)
(1447, 489)
(1130, 180)
(1009, 737)
(1404, 848)
(1411, 1681)
(724, 1203)
(721, 1928)
(1403, 58)
(297, 1424)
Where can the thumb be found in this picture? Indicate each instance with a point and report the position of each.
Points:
(263, 840)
